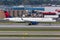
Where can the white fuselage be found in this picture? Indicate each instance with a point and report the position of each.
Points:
(14, 19)
(30, 19)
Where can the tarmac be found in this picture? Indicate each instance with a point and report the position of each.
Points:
(29, 38)
(25, 25)
(29, 32)
(22, 25)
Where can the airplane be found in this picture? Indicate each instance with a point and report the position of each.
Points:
(30, 20)
(50, 14)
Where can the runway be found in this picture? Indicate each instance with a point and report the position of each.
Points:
(26, 25)
(27, 38)
(29, 32)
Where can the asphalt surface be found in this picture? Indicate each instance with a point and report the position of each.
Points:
(26, 25)
(27, 38)
(29, 32)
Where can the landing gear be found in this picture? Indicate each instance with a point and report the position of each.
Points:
(33, 23)
(30, 23)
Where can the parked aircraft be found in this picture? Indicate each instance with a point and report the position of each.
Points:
(50, 14)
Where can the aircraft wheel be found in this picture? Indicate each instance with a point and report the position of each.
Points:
(30, 24)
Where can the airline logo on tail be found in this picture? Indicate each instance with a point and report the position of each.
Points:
(7, 15)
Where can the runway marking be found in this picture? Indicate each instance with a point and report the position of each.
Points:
(23, 37)
(25, 33)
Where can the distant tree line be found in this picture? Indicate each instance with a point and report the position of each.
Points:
(29, 2)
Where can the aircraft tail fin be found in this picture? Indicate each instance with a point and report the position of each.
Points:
(7, 15)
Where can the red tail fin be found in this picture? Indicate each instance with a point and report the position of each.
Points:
(6, 14)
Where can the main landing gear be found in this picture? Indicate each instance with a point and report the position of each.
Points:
(33, 23)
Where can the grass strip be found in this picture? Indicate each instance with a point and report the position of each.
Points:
(29, 35)
(27, 29)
